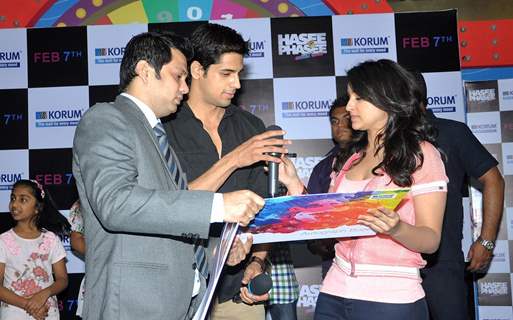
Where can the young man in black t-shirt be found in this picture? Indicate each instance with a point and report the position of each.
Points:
(227, 147)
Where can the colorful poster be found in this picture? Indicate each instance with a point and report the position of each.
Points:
(316, 216)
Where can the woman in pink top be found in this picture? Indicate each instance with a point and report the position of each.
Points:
(377, 277)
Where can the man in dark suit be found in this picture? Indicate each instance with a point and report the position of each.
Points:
(142, 225)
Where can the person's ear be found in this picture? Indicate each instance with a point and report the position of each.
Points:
(144, 70)
(197, 70)
(39, 207)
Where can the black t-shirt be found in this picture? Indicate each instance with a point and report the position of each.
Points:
(197, 153)
(320, 177)
(465, 157)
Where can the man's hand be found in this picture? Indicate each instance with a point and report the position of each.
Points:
(257, 148)
(250, 298)
(252, 270)
(239, 250)
(241, 206)
(479, 257)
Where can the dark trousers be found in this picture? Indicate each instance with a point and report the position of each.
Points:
(446, 291)
(331, 307)
(285, 311)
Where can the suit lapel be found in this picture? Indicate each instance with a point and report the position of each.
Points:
(132, 109)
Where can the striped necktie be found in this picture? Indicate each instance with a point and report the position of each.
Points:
(172, 164)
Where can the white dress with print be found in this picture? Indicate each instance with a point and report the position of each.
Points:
(28, 269)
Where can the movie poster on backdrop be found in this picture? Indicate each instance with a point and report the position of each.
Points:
(302, 47)
(428, 41)
(57, 57)
(54, 114)
(13, 58)
(258, 63)
(494, 289)
(14, 119)
(256, 96)
(507, 126)
(99, 94)
(14, 166)
(357, 38)
(105, 48)
(500, 260)
(309, 279)
(487, 119)
(495, 150)
(508, 194)
(507, 158)
(302, 103)
(445, 95)
(482, 96)
(508, 216)
(308, 154)
(341, 85)
(505, 88)
(486, 126)
(52, 169)
(495, 313)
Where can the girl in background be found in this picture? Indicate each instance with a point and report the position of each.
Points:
(29, 254)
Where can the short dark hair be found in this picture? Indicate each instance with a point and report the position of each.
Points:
(339, 102)
(211, 40)
(154, 48)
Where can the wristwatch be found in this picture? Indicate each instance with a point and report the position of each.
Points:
(488, 244)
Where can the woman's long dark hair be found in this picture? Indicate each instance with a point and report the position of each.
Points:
(49, 217)
(393, 89)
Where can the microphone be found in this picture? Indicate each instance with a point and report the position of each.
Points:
(272, 178)
(259, 285)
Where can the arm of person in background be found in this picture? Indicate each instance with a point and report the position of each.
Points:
(493, 201)
(255, 266)
(38, 300)
(76, 221)
(78, 242)
(252, 151)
